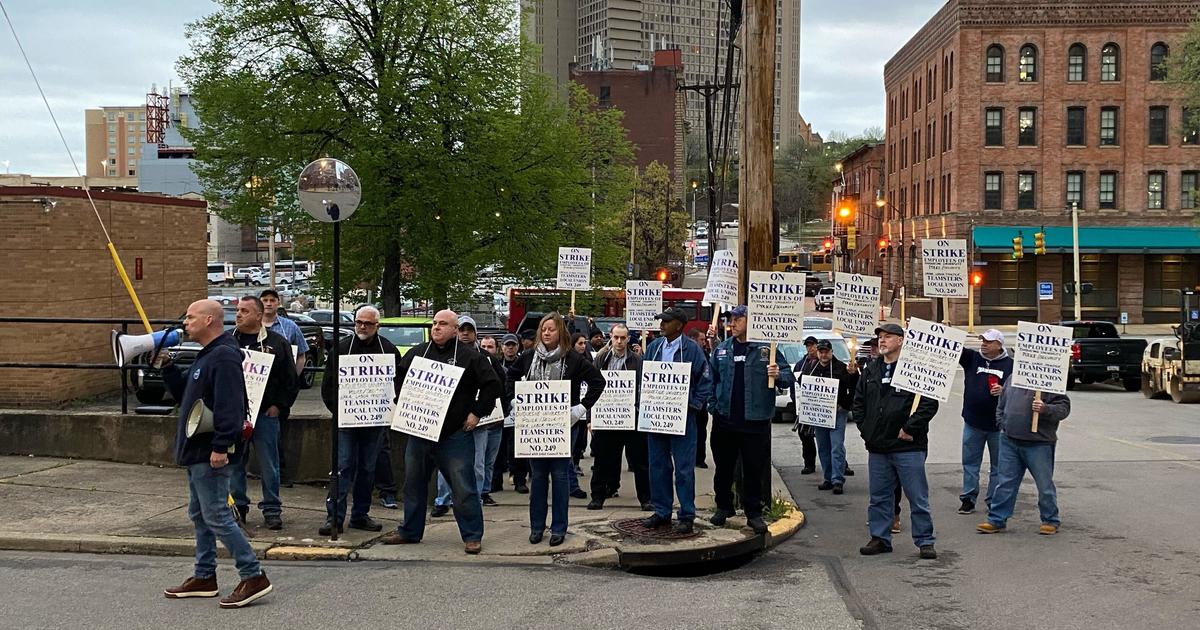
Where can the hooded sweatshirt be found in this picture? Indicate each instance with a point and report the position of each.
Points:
(1014, 414)
(979, 405)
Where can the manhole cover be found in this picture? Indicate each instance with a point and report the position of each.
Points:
(633, 527)
(1175, 439)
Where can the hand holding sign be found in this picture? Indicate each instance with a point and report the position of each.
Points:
(1043, 361)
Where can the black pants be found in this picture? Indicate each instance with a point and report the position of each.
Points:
(502, 461)
(808, 449)
(606, 451)
(578, 443)
(287, 474)
(701, 437)
(754, 449)
(517, 467)
(385, 477)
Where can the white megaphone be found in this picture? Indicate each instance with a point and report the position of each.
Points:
(200, 419)
(126, 347)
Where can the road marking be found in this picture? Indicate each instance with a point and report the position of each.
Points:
(1173, 454)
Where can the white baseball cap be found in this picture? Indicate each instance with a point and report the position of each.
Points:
(992, 334)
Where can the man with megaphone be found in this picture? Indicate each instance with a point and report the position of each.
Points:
(215, 385)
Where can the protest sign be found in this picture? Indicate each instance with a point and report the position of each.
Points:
(574, 268)
(775, 307)
(722, 287)
(945, 265)
(664, 400)
(366, 387)
(929, 359)
(643, 300)
(256, 368)
(425, 397)
(1043, 357)
(856, 303)
(542, 412)
(616, 408)
(816, 401)
(496, 415)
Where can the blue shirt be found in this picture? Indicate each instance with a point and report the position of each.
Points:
(289, 330)
(669, 348)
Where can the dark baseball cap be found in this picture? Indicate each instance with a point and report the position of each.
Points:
(824, 344)
(890, 328)
(810, 340)
(509, 338)
(873, 341)
(673, 313)
(527, 334)
(737, 311)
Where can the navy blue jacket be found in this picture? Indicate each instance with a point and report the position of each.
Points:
(979, 405)
(215, 377)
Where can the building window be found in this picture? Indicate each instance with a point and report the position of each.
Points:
(1188, 181)
(131, 172)
(995, 64)
(112, 117)
(1191, 127)
(112, 128)
(1027, 64)
(131, 162)
(1077, 63)
(992, 197)
(1027, 126)
(1155, 184)
(605, 96)
(112, 150)
(1158, 58)
(112, 139)
(949, 130)
(1108, 189)
(129, 150)
(1110, 62)
(1158, 126)
(1076, 126)
(993, 123)
(1074, 188)
(1108, 126)
(1026, 193)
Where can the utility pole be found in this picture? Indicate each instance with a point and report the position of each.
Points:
(757, 164)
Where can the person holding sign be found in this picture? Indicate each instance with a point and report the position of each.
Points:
(607, 444)
(277, 399)
(984, 371)
(487, 438)
(1027, 444)
(453, 453)
(517, 468)
(677, 453)
(831, 441)
(743, 405)
(552, 359)
(358, 447)
(896, 433)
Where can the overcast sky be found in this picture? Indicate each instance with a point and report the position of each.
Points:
(90, 54)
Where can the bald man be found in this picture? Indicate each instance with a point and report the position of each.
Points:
(453, 454)
(215, 379)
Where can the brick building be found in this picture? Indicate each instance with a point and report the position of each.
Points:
(1003, 113)
(861, 178)
(54, 263)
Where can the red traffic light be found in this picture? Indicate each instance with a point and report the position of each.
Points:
(884, 243)
(827, 244)
(976, 278)
(662, 275)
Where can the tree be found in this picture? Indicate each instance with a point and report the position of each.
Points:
(467, 156)
(1183, 70)
(804, 175)
(657, 237)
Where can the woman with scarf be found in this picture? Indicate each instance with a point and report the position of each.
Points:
(552, 359)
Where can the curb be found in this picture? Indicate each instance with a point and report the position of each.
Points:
(126, 545)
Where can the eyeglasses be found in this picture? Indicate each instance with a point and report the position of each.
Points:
(359, 322)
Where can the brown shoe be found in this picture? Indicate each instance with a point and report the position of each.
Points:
(1047, 529)
(988, 528)
(394, 538)
(896, 525)
(473, 547)
(247, 591)
(193, 587)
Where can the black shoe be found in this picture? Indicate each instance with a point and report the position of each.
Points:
(535, 537)
(367, 524)
(848, 472)
(242, 511)
(595, 504)
(655, 521)
(439, 511)
(719, 517)
(611, 495)
(497, 487)
(701, 465)
(557, 539)
(647, 506)
(967, 507)
(288, 484)
(327, 528)
(928, 552)
(683, 527)
(578, 494)
(578, 471)
(757, 524)
(838, 488)
(273, 521)
(488, 500)
(522, 488)
(875, 547)
(825, 485)
(808, 470)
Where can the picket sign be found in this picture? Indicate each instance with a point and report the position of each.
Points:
(775, 309)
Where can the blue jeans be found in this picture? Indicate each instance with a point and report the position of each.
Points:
(487, 446)
(973, 441)
(266, 446)
(454, 457)
(831, 448)
(444, 492)
(358, 452)
(542, 471)
(886, 470)
(208, 489)
(681, 451)
(1015, 458)
(573, 479)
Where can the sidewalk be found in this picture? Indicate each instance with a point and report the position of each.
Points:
(103, 507)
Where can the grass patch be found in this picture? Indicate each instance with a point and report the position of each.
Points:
(778, 507)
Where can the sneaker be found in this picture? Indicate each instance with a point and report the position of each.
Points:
(719, 517)
(273, 521)
(488, 500)
(928, 552)
(439, 511)
(825, 485)
(578, 494)
(473, 547)
(396, 538)
(193, 587)
(247, 591)
(647, 506)
(848, 472)
(327, 528)
(684, 527)
(967, 507)
(595, 504)
(1047, 529)
(367, 524)
(757, 524)
(655, 521)
(521, 488)
(807, 470)
(896, 525)
(701, 465)
(987, 528)
(838, 488)
(389, 501)
(875, 547)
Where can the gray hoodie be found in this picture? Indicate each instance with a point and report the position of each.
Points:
(1014, 414)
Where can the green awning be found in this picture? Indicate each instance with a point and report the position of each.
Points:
(1092, 240)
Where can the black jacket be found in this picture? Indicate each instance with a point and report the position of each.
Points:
(847, 382)
(881, 411)
(216, 378)
(501, 373)
(632, 362)
(476, 392)
(282, 383)
(577, 369)
(354, 345)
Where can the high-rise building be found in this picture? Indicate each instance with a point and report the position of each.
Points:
(113, 140)
(623, 34)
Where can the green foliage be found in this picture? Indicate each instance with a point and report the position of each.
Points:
(804, 175)
(779, 508)
(1183, 70)
(647, 217)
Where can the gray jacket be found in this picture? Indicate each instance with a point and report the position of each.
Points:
(1014, 414)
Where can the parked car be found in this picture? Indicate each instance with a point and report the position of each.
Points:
(324, 317)
(824, 299)
(1098, 354)
(818, 323)
(605, 324)
(812, 284)
(405, 332)
(785, 403)
(314, 336)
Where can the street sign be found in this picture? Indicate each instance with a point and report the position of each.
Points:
(1124, 317)
(1045, 290)
(850, 237)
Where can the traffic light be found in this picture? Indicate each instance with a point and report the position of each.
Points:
(976, 278)
(1018, 251)
(1039, 243)
(883, 247)
(662, 275)
(827, 244)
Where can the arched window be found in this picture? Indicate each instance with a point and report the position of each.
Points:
(1027, 64)
(1158, 58)
(1077, 63)
(1110, 62)
(994, 68)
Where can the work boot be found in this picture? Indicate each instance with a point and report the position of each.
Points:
(967, 507)
(928, 552)
(247, 591)
(684, 527)
(439, 511)
(719, 517)
(327, 528)
(655, 521)
(396, 538)
(193, 587)
(987, 528)
(367, 524)
(757, 524)
(273, 521)
(1047, 529)
(875, 547)
(596, 503)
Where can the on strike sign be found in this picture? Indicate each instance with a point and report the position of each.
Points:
(643, 300)
(617, 408)
(425, 398)
(256, 368)
(856, 303)
(542, 412)
(722, 285)
(1043, 357)
(365, 390)
(816, 401)
(664, 405)
(775, 309)
(945, 263)
(574, 268)
(929, 359)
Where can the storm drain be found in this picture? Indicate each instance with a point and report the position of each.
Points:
(633, 527)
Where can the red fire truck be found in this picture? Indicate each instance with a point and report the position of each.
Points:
(527, 305)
